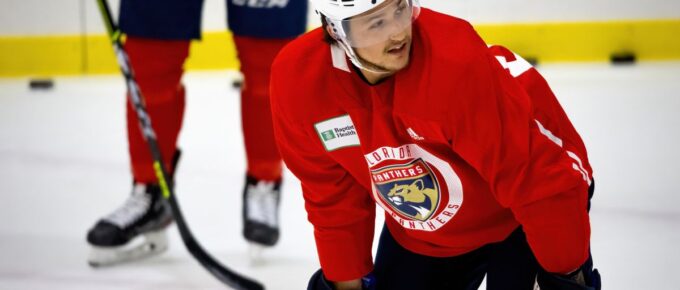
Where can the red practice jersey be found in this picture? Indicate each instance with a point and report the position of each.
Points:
(459, 148)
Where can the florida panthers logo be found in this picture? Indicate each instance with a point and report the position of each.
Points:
(418, 189)
(411, 189)
(420, 200)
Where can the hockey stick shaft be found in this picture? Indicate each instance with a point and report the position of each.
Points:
(222, 273)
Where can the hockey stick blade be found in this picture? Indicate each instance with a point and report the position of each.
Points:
(220, 272)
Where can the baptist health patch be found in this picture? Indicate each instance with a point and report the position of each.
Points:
(338, 132)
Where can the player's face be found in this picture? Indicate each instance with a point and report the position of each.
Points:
(383, 38)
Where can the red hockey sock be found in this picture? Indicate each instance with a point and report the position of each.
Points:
(157, 65)
(256, 56)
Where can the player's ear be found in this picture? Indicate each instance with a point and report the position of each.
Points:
(331, 32)
(330, 27)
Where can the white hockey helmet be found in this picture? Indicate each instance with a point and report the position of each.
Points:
(363, 23)
(343, 9)
(375, 20)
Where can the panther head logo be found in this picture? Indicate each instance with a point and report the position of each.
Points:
(414, 197)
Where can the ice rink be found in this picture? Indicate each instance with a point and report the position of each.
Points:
(64, 164)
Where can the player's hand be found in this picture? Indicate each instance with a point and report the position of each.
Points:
(584, 278)
(348, 285)
(319, 282)
(577, 276)
(547, 281)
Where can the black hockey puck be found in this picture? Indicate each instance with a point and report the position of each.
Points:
(237, 84)
(41, 84)
(624, 57)
(532, 60)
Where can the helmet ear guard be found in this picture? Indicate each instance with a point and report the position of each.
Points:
(331, 29)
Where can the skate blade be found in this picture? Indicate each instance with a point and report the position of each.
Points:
(147, 245)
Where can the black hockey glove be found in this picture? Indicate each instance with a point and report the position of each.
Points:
(585, 278)
(319, 282)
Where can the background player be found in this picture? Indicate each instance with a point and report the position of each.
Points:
(158, 39)
(479, 173)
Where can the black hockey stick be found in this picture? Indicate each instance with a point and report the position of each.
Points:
(221, 272)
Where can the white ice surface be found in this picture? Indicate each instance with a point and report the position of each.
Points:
(64, 163)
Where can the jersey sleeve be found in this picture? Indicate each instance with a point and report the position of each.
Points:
(493, 128)
(340, 209)
(547, 109)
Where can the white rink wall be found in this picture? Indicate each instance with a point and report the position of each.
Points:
(64, 17)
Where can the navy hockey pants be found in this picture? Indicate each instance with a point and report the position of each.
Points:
(508, 265)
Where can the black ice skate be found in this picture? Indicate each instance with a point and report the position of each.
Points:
(133, 231)
(261, 211)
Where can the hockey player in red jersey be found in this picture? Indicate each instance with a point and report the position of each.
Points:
(158, 39)
(464, 146)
